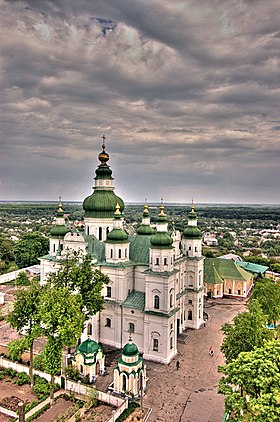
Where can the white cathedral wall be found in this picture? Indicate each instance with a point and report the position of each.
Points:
(92, 226)
(139, 278)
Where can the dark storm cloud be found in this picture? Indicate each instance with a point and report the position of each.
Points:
(187, 93)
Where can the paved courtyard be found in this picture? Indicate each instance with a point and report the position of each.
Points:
(190, 394)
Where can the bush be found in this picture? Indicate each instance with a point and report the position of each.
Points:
(72, 373)
(42, 387)
(22, 378)
(38, 362)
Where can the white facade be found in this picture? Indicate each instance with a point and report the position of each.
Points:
(156, 291)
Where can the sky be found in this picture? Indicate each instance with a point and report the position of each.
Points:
(186, 92)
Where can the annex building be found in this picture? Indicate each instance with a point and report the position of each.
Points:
(156, 286)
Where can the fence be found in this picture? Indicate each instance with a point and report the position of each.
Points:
(76, 387)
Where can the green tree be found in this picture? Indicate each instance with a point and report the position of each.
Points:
(247, 331)
(22, 279)
(62, 322)
(29, 248)
(6, 252)
(267, 293)
(16, 348)
(77, 274)
(25, 318)
(251, 385)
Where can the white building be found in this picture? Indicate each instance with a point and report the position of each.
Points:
(156, 290)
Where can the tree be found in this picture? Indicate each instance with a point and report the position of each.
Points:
(62, 322)
(25, 318)
(77, 274)
(251, 385)
(267, 293)
(29, 248)
(247, 331)
(22, 279)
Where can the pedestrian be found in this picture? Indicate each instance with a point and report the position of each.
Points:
(177, 365)
(211, 351)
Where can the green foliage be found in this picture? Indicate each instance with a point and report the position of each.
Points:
(29, 248)
(131, 407)
(38, 413)
(38, 362)
(22, 378)
(77, 274)
(22, 279)
(16, 348)
(247, 331)
(42, 387)
(251, 385)
(72, 373)
(267, 293)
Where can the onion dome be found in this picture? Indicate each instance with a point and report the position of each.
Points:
(117, 235)
(102, 202)
(59, 230)
(88, 347)
(145, 228)
(192, 231)
(162, 238)
(130, 349)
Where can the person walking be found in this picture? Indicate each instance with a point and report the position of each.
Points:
(177, 365)
(211, 351)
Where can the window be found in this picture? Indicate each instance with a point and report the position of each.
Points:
(199, 313)
(111, 253)
(165, 261)
(88, 230)
(89, 329)
(131, 327)
(157, 261)
(229, 291)
(171, 300)
(189, 315)
(171, 342)
(120, 253)
(108, 322)
(54, 248)
(107, 230)
(156, 302)
(195, 249)
(190, 248)
(155, 344)
(100, 233)
(109, 291)
(125, 253)
(239, 292)
(190, 301)
(61, 247)
(81, 369)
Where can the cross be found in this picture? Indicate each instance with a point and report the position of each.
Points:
(104, 139)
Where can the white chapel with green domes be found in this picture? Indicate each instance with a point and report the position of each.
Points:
(156, 274)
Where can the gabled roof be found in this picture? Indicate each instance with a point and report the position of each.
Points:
(135, 300)
(212, 276)
(226, 268)
(253, 268)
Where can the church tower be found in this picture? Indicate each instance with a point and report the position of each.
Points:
(117, 243)
(58, 232)
(100, 206)
(192, 249)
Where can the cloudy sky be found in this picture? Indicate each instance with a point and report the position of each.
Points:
(186, 91)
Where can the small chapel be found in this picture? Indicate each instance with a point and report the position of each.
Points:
(156, 286)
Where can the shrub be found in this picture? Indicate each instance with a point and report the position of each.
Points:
(42, 387)
(72, 373)
(38, 362)
(22, 378)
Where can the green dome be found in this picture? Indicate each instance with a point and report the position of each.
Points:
(103, 172)
(117, 236)
(145, 230)
(130, 349)
(59, 231)
(192, 232)
(88, 347)
(102, 204)
(162, 239)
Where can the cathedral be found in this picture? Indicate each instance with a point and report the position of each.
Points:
(156, 286)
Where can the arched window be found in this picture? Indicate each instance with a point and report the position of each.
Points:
(131, 327)
(109, 291)
(108, 323)
(120, 253)
(124, 383)
(100, 233)
(156, 302)
(165, 261)
(189, 315)
(125, 253)
(54, 247)
(171, 300)
(89, 329)
(111, 253)
(157, 261)
(88, 230)
(171, 342)
(155, 344)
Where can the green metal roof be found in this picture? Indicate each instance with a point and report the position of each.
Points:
(102, 204)
(226, 268)
(135, 300)
(192, 232)
(130, 349)
(213, 277)
(95, 248)
(253, 268)
(59, 230)
(139, 249)
(161, 240)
